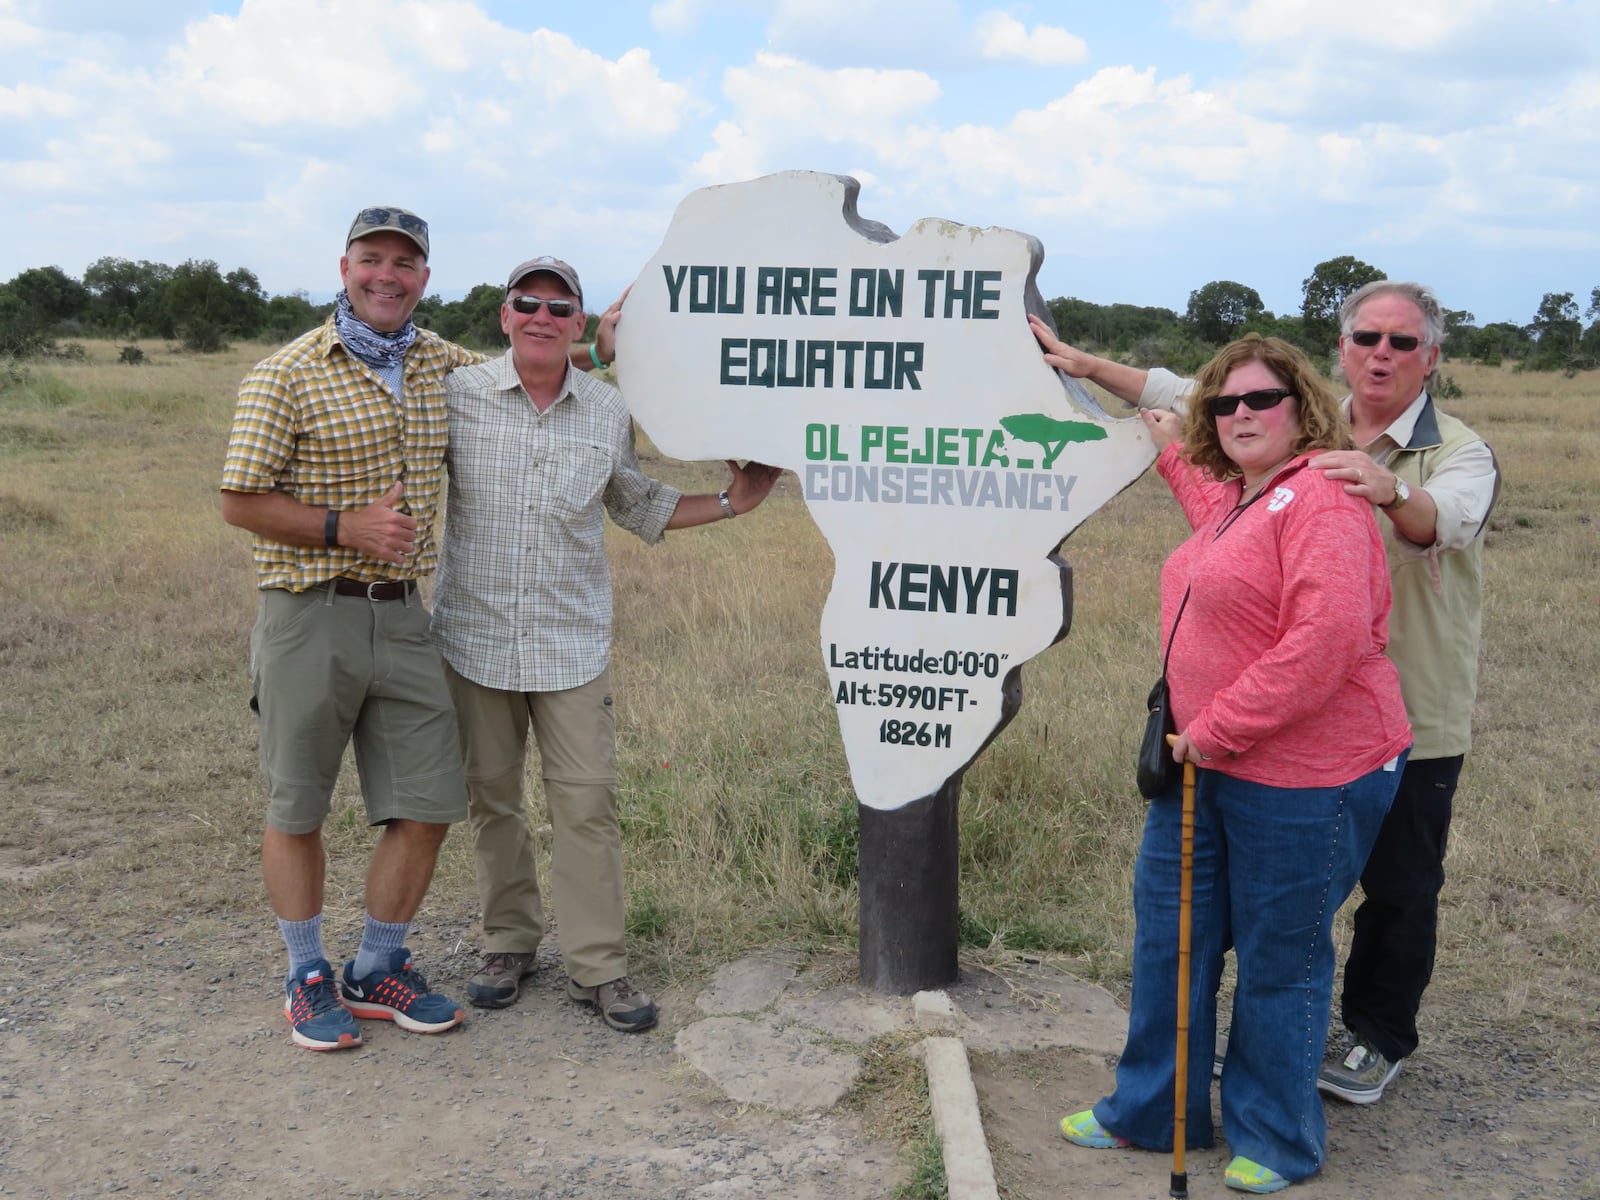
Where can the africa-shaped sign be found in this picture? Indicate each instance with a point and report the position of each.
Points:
(940, 456)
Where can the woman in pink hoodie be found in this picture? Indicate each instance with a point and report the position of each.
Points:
(1276, 611)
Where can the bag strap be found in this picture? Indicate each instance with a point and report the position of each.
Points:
(1167, 657)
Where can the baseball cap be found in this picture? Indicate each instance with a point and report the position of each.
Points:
(396, 220)
(554, 266)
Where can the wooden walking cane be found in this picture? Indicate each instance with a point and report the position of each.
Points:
(1180, 1089)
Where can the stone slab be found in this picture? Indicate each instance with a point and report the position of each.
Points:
(753, 1063)
(748, 985)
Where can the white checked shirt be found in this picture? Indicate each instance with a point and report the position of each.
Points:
(524, 591)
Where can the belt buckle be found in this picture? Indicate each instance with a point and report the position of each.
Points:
(370, 586)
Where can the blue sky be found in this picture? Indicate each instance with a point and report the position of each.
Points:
(1152, 145)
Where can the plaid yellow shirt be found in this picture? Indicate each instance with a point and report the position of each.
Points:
(317, 423)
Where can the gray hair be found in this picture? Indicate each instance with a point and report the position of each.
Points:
(1418, 294)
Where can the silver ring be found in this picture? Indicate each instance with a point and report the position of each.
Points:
(1361, 476)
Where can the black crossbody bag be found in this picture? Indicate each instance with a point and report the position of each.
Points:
(1157, 771)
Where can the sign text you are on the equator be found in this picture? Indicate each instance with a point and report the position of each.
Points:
(939, 455)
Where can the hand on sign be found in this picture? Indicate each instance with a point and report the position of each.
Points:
(1165, 427)
(605, 334)
(752, 483)
(1060, 355)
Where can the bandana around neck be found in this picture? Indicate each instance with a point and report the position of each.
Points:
(371, 346)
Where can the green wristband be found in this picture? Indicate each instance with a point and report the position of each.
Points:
(594, 357)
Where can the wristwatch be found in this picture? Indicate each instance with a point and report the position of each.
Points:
(1402, 493)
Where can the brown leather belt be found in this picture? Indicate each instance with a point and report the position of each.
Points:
(383, 589)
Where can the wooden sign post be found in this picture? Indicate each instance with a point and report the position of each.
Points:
(939, 455)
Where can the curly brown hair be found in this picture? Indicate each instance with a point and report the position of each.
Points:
(1322, 425)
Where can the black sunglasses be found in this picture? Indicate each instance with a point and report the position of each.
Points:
(529, 305)
(1403, 342)
(1226, 406)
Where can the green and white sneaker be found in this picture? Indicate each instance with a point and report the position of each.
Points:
(1360, 1076)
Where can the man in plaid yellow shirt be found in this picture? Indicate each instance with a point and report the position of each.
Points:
(334, 464)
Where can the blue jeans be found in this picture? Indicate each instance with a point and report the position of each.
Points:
(1271, 868)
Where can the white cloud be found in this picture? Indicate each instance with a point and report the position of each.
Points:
(352, 63)
(16, 34)
(919, 34)
(844, 103)
(862, 19)
(1122, 150)
(27, 100)
(787, 113)
(678, 16)
(1287, 131)
(1414, 25)
(294, 62)
(1001, 36)
(736, 155)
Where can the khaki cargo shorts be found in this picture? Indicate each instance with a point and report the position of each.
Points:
(333, 670)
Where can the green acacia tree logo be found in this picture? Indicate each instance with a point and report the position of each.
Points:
(1050, 435)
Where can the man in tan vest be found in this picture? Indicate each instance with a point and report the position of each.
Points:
(1434, 482)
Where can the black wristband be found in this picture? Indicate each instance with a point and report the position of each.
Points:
(330, 527)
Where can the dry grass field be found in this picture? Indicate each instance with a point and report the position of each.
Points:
(132, 806)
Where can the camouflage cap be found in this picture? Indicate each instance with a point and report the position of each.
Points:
(394, 220)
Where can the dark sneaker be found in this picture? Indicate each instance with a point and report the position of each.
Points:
(317, 1020)
(1359, 1077)
(620, 1004)
(401, 995)
(499, 980)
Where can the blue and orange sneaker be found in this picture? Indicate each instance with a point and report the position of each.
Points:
(401, 995)
(317, 1020)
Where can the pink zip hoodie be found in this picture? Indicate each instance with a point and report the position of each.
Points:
(1278, 670)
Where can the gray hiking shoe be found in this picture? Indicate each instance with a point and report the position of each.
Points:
(1360, 1076)
(620, 1004)
(499, 981)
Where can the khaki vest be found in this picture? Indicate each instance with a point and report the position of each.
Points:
(1434, 630)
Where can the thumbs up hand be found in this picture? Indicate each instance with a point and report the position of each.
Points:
(381, 530)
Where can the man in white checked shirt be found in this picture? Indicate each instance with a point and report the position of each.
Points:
(538, 455)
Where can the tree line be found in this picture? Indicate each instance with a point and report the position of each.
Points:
(200, 307)
(1556, 339)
